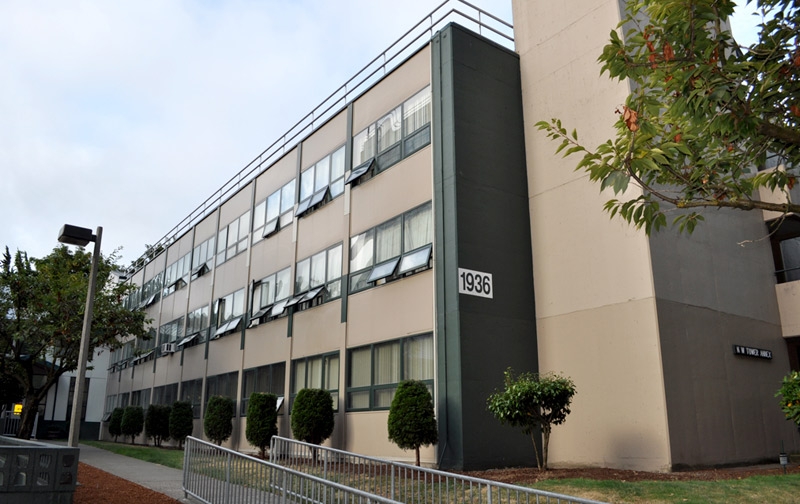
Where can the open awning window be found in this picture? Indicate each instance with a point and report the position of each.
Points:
(360, 170)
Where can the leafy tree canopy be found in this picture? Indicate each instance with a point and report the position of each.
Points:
(42, 302)
(312, 416)
(218, 423)
(789, 395)
(412, 422)
(262, 420)
(704, 114)
(181, 421)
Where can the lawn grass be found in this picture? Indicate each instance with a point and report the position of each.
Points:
(773, 489)
(734, 491)
(169, 457)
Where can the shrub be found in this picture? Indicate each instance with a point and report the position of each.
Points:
(181, 422)
(312, 416)
(115, 423)
(217, 424)
(412, 422)
(132, 422)
(531, 400)
(262, 420)
(790, 396)
(156, 423)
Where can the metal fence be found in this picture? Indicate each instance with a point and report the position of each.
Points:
(217, 475)
(402, 482)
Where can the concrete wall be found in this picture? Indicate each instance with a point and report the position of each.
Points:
(595, 308)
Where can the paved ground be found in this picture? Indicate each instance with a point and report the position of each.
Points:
(153, 476)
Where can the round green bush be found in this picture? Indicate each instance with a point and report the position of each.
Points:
(262, 420)
(312, 416)
(132, 422)
(217, 424)
(412, 422)
(181, 421)
(115, 423)
(156, 423)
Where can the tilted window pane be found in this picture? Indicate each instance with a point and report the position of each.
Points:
(334, 263)
(287, 197)
(415, 260)
(273, 206)
(322, 174)
(317, 276)
(417, 111)
(283, 284)
(387, 240)
(361, 251)
(307, 183)
(418, 228)
(389, 131)
(364, 146)
(301, 277)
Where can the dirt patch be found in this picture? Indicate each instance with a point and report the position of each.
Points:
(99, 487)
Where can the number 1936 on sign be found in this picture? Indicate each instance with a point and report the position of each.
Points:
(475, 283)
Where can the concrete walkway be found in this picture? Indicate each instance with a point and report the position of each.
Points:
(156, 477)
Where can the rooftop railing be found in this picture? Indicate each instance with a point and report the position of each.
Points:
(449, 11)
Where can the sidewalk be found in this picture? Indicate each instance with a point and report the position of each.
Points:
(156, 477)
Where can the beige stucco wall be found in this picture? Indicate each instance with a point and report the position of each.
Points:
(788, 303)
(593, 281)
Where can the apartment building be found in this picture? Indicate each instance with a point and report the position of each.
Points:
(340, 266)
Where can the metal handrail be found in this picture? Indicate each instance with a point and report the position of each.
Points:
(333, 103)
(216, 475)
(403, 482)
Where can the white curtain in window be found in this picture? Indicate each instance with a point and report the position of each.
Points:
(307, 183)
(418, 358)
(238, 303)
(283, 284)
(387, 240)
(417, 111)
(322, 174)
(301, 276)
(389, 130)
(331, 372)
(387, 363)
(314, 373)
(418, 228)
(299, 379)
(334, 263)
(273, 206)
(287, 197)
(364, 146)
(317, 269)
(359, 376)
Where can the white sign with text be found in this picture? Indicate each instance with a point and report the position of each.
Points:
(475, 283)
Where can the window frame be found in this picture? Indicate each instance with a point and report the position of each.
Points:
(325, 362)
(262, 226)
(275, 369)
(226, 324)
(264, 312)
(308, 296)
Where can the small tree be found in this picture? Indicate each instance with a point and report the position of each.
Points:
(156, 423)
(262, 420)
(531, 400)
(312, 416)
(132, 422)
(412, 422)
(218, 425)
(181, 422)
(790, 396)
(115, 423)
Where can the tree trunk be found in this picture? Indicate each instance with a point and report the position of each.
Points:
(535, 449)
(417, 449)
(28, 417)
(545, 444)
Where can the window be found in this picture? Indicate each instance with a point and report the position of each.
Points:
(133, 300)
(324, 178)
(85, 398)
(224, 385)
(177, 274)
(396, 135)
(784, 236)
(196, 327)
(269, 295)
(170, 332)
(228, 313)
(318, 278)
(191, 392)
(267, 379)
(141, 398)
(111, 403)
(151, 290)
(165, 395)
(321, 372)
(202, 257)
(233, 238)
(392, 250)
(275, 212)
(374, 371)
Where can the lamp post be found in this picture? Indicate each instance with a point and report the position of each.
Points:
(74, 235)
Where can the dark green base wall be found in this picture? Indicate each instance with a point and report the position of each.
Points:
(482, 224)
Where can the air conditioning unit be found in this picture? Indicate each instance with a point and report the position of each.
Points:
(168, 348)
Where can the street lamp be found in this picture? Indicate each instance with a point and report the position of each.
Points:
(74, 235)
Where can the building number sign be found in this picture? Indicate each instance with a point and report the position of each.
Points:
(475, 283)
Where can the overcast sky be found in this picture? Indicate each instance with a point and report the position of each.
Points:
(129, 114)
